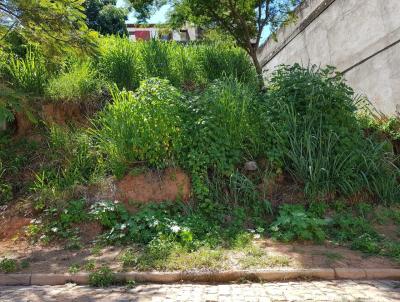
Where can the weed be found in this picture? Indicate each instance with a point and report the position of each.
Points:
(102, 277)
(294, 223)
(129, 258)
(89, 266)
(8, 265)
(74, 268)
(78, 83)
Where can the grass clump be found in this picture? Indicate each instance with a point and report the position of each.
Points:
(140, 127)
(77, 83)
(28, 74)
(317, 136)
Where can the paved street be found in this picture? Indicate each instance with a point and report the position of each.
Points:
(374, 291)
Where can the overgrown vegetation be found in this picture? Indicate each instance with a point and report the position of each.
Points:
(248, 153)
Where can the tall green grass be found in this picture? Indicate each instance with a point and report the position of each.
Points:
(139, 128)
(77, 83)
(310, 116)
(186, 66)
(28, 74)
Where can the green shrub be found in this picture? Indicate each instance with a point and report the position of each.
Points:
(345, 227)
(294, 223)
(79, 82)
(8, 265)
(28, 74)
(102, 277)
(141, 127)
(221, 129)
(109, 214)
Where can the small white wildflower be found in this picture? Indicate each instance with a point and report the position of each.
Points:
(251, 231)
(257, 236)
(123, 226)
(54, 230)
(42, 237)
(175, 228)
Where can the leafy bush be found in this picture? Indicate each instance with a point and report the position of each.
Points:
(109, 214)
(77, 83)
(294, 223)
(28, 74)
(141, 127)
(8, 265)
(221, 129)
(102, 277)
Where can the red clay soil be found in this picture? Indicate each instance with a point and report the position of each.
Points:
(61, 113)
(12, 227)
(170, 184)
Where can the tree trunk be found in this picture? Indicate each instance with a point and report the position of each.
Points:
(257, 65)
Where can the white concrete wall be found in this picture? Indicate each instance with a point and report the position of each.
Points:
(359, 37)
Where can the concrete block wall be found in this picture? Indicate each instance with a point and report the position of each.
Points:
(360, 37)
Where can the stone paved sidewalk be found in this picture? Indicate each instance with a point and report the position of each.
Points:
(346, 290)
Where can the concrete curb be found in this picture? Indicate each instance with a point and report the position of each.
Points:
(207, 277)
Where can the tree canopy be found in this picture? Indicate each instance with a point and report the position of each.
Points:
(56, 25)
(104, 17)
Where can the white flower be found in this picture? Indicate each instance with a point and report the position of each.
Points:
(251, 231)
(257, 236)
(54, 230)
(123, 226)
(175, 228)
(154, 223)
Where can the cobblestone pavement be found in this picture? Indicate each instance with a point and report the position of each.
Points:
(374, 291)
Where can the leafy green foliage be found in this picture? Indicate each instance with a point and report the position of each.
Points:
(8, 265)
(104, 17)
(294, 223)
(102, 277)
(220, 130)
(78, 83)
(56, 25)
(315, 132)
(144, 126)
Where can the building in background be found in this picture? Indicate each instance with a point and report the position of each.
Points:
(151, 31)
